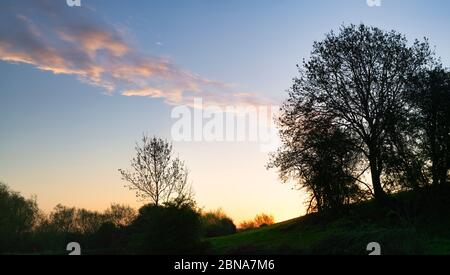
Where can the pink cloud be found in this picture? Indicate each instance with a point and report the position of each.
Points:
(61, 40)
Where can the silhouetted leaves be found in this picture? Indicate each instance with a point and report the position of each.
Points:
(429, 97)
(166, 230)
(217, 223)
(17, 217)
(356, 78)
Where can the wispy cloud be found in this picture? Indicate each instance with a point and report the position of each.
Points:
(53, 37)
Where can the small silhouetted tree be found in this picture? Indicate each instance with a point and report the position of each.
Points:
(357, 78)
(156, 174)
(63, 219)
(89, 222)
(120, 215)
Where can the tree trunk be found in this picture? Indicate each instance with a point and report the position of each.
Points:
(376, 183)
(375, 171)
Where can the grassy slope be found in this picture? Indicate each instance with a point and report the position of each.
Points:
(417, 223)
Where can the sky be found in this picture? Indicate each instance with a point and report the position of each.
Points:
(80, 85)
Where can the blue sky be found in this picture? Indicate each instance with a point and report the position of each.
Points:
(63, 136)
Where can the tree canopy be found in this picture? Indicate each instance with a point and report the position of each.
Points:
(356, 81)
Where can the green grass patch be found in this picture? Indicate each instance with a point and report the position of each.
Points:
(416, 223)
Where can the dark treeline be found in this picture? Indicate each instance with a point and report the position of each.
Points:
(171, 223)
(171, 228)
(369, 115)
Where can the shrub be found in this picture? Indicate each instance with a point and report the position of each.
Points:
(166, 230)
(260, 220)
(217, 223)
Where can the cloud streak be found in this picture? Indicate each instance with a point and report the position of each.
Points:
(74, 41)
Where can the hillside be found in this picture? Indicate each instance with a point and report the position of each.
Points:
(416, 223)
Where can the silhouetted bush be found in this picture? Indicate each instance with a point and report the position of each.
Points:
(166, 230)
(260, 220)
(217, 223)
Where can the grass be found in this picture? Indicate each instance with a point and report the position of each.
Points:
(416, 223)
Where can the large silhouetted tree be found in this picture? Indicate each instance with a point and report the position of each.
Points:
(357, 78)
(156, 174)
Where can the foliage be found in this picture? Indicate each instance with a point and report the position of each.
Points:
(429, 97)
(120, 215)
(18, 216)
(171, 229)
(217, 223)
(320, 157)
(261, 220)
(356, 78)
